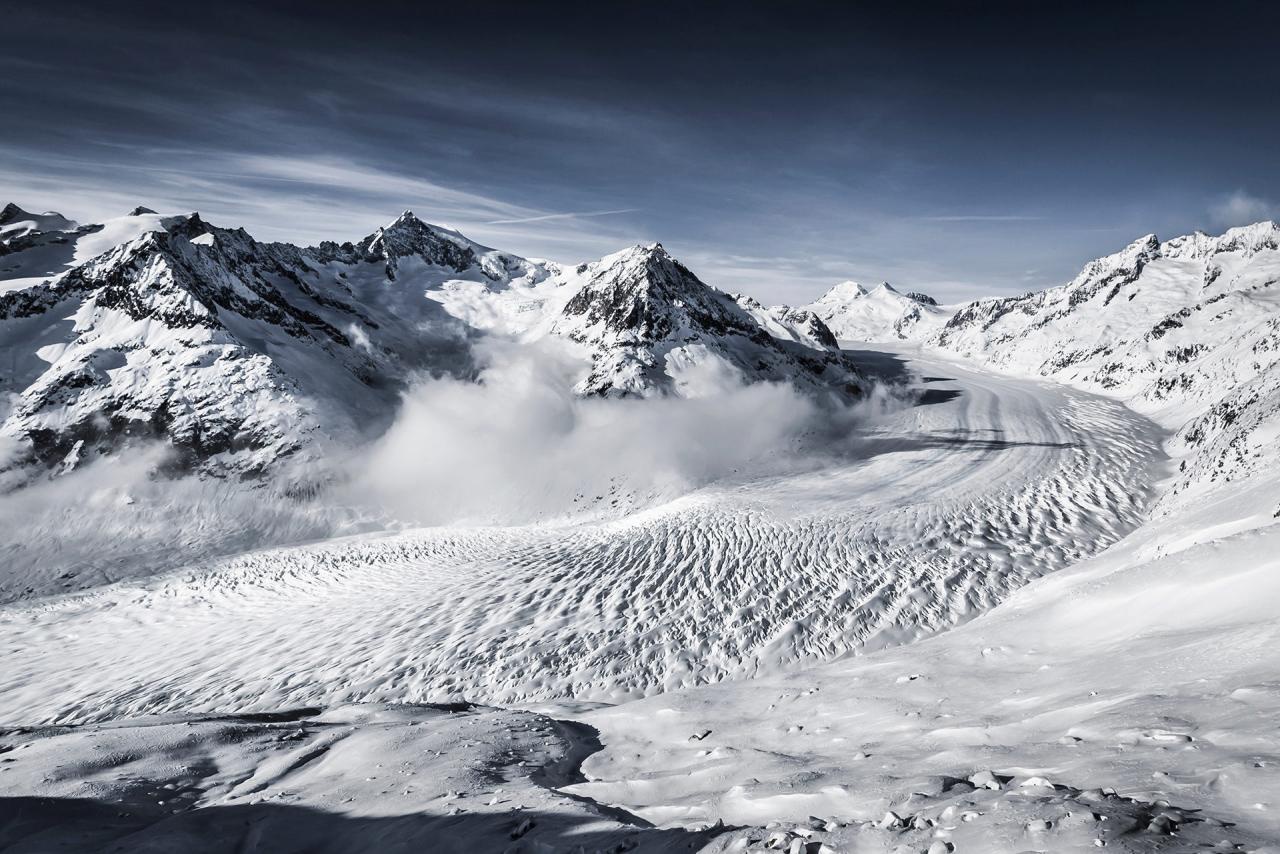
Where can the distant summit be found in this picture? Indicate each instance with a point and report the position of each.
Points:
(16, 222)
(651, 324)
(855, 313)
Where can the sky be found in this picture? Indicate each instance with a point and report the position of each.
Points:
(960, 149)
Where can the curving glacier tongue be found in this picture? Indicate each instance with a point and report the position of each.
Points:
(933, 514)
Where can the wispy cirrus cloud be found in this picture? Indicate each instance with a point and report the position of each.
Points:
(569, 215)
(982, 218)
(296, 198)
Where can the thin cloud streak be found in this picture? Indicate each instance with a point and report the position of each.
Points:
(571, 215)
(982, 218)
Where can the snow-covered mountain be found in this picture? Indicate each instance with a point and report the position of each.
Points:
(16, 223)
(790, 324)
(236, 352)
(856, 313)
(653, 327)
(1186, 330)
(240, 353)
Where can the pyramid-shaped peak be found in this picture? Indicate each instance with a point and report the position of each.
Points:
(141, 210)
(646, 250)
(408, 219)
(639, 254)
(408, 236)
(12, 213)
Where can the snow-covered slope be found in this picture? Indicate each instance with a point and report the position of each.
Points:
(653, 327)
(1071, 718)
(235, 352)
(240, 354)
(34, 247)
(16, 223)
(855, 313)
(1187, 330)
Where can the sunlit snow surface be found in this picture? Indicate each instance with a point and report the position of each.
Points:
(940, 510)
(1149, 670)
(1128, 701)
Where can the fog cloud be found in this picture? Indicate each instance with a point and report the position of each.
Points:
(520, 446)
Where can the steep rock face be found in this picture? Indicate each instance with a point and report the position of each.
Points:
(790, 324)
(856, 313)
(653, 328)
(1187, 330)
(125, 347)
(411, 238)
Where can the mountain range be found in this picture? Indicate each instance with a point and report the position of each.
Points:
(241, 354)
(1185, 331)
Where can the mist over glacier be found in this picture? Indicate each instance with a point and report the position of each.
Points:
(519, 446)
(513, 446)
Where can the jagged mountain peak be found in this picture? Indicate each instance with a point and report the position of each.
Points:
(1247, 239)
(410, 223)
(11, 212)
(635, 288)
(409, 237)
(1118, 267)
(640, 253)
(140, 210)
(408, 218)
(406, 224)
(651, 324)
(1145, 246)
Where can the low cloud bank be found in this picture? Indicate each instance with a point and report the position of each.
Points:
(519, 446)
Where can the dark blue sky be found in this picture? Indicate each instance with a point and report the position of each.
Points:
(963, 150)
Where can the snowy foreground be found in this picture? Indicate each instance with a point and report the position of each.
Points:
(1128, 700)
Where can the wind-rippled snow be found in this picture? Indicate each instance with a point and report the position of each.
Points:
(949, 506)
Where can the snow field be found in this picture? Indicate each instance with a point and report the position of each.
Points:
(938, 513)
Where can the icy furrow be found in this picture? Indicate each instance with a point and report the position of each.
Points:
(947, 508)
